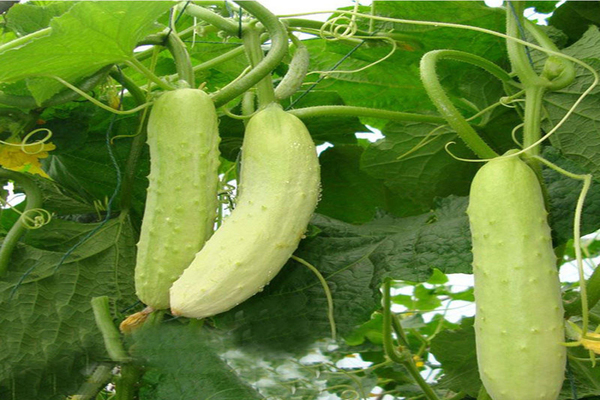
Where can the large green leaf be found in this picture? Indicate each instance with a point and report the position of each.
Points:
(182, 363)
(578, 138)
(348, 194)
(82, 162)
(49, 337)
(86, 38)
(455, 350)
(394, 84)
(418, 177)
(574, 17)
(27, 18)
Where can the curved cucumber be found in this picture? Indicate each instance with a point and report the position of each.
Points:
(277, 196)
(182, 194)
(519, 320)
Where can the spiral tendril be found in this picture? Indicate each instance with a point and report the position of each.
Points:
(35, 218)
(23, 145)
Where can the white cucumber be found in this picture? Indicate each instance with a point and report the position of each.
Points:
(182, 194)
(519, 323)
(280, 183)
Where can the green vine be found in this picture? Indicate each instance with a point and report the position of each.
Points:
(34, 200)
(278, 50)
(443, 103)
(402, 357)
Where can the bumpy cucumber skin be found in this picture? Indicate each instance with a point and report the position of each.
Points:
(182, 195)
(280, 183)
(519, 320)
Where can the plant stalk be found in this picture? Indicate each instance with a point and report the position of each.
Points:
(278, 50)
(252, 44)
(34, 199)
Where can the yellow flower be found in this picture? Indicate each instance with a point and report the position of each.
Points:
(592, 344)
(418, 361)
(14, 158)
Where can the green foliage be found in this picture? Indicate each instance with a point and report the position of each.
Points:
(182, 364)
(388, 210)
(88, 37)
(49, 334)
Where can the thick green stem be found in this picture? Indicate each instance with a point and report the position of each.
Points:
(443, 103)
(212, 18)
(316, 26)
(137, 145)
(532, 132)
(252, 44)
(127, 386)
(353, 112)
(516, 51)
(183, 63)
(110, 333)
(278, 50)
(34, 200)
(404, 358)
(159, 39)
(94, 384)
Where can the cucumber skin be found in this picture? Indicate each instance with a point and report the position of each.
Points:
(519, 323)
(182, 195)
(279, 190)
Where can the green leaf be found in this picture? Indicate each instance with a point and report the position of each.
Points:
(578, 138)
(183, 364)
(292, 310)
(370, 330)
(426, 299)
(418, 177)
(455, 350)
(564, 193)
(586, 379)
(86, 38)
(27, 18)
(49, 336)
(437, 277)
(544, 7)
(394, 84)
(87, 169)
(348, 194)
(574, 18)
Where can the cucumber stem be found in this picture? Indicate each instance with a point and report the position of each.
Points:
(212, 18)
(443, 103)
(403, 357)
(534, 95)
(516, 51)
(137, 144)
(34, 200)
(110, 333)
(352, 112)
(126, 387)
(278, 50)
(252, 44)
(183, 63)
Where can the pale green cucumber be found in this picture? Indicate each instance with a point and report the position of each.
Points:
(519, 323)
(279, 190)
(182, 195)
